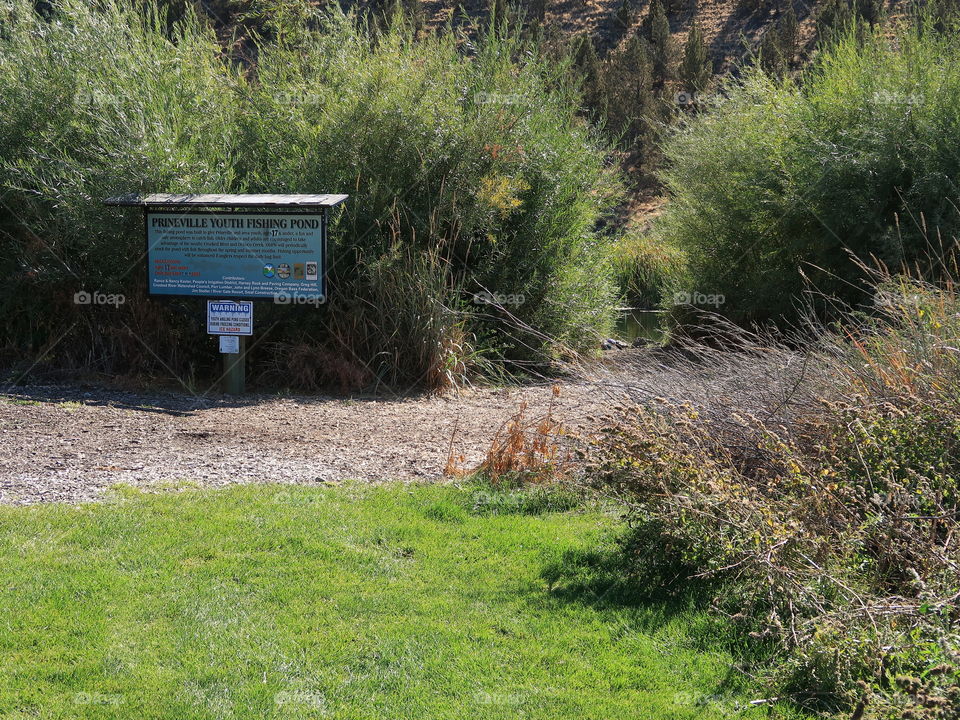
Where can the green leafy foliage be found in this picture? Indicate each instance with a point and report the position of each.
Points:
(468, 173)
(781, 179)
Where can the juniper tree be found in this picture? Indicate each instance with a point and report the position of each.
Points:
(588, 63)
(833, 18)
(789, 31)
(413, 11)
(695, 68)
(871, 10)
(943, 12)
(779, 43)
(657, 28)
(537, 10)
(625, 13)
(629, 85)
(498, 11)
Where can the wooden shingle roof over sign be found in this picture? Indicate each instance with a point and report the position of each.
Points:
(228, 201)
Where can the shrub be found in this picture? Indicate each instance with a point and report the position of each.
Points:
(467, 168)
(825, 520)
(647, 271)
(471, 159)
(95, 104)
(523, 450)
(784, 179)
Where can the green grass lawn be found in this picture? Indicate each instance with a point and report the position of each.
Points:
(354, 602)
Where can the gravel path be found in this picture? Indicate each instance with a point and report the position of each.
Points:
(68, 443)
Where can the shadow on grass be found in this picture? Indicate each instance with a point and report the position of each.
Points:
(659, 600)
(609, 578)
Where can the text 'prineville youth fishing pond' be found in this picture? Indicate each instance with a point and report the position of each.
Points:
(235, 222)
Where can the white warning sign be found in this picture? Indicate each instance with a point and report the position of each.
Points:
(227, 317)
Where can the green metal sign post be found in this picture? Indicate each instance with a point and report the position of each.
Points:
(235, 369)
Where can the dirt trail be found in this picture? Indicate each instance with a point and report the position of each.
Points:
(64, 443)
(68, 443)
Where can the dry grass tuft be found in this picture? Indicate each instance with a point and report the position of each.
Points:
(524, 449)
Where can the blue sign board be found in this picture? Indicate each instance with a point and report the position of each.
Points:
(237, 254)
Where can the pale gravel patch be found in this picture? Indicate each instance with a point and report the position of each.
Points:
(62, 443)
(68, 443)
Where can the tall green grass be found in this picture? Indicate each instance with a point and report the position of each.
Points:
(467, 167)
(786, 178)
(647, 270)
(98, 103)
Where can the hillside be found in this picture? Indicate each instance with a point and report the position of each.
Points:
(732, 28)
(729, 26)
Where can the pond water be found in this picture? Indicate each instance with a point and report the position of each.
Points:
(633, 323)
